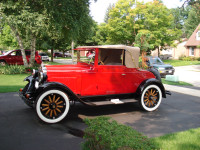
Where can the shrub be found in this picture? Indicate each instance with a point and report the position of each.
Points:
(12, 69)
(198, 58)
(104, 134)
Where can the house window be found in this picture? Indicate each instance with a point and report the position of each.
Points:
(198, 35)
(191, 51)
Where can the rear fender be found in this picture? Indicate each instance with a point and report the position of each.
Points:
(148, 82)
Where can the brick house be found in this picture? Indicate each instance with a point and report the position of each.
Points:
(193, 43)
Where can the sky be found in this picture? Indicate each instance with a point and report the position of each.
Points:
(98, 9)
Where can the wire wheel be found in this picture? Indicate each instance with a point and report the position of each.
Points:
(151, 98)
(52, 106)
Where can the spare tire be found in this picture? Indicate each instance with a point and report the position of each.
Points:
(156, 73)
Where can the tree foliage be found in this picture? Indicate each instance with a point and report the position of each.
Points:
(128, 22)
(58, 21)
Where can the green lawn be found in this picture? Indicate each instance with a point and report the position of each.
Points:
(12, 83)
(187, 140)
(176, 63)
(51, 63)
(176, 83)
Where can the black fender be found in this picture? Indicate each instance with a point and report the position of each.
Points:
(148, 82)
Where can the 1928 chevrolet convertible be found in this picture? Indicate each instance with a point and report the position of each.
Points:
(112, 76)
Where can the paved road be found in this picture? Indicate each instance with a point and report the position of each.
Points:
(21, 129)
(190, 74)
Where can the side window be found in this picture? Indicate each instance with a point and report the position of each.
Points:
(111, 57)
(28, 53)
(13, 53)
(18, 53)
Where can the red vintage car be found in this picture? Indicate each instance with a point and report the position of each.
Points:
(111, 77)
(15, 57)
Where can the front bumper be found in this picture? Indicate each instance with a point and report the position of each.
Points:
(29, 102)
(166, 72)
(27, 94)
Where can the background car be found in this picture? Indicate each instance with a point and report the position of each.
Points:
(157, 63)
(44, 56)
(57, 54)
(67, 54)
(15, 57)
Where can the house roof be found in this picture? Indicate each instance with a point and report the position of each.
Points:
(192, 40)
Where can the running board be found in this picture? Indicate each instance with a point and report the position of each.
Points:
(111, 102)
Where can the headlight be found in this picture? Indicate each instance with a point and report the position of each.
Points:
(35, 73)
(40, 77)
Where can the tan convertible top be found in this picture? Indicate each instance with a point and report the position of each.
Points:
(131, 53)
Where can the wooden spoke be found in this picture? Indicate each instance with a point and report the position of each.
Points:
(51, 113)
(47, 112)
(58, 110)
(50, 99)
(45, 105)
(54, 96)
(146, 100)
(57, 99)
(152, 103)
(59, 102)
(47, 101)
(153, 92)
(60, 106)
(45, 108)
(55, 112)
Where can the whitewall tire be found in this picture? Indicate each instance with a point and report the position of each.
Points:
(151, 98)
(52, 106)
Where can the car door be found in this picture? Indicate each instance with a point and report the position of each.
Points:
(112, 80)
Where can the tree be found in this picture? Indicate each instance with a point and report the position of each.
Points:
(126, 21)
(58, 19)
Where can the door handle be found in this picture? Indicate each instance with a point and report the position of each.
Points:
(123, 74)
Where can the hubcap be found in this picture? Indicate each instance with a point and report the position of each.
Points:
(52, 106)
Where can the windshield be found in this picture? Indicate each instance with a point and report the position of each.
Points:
(43, 54)
(7, 52)
(86, 57)
(155, 60)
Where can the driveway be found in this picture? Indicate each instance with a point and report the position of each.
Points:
(190, 74)
(21, 129)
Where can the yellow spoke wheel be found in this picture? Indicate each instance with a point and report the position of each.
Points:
(52, 106)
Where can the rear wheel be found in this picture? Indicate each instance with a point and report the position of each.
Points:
(151, 98)
(52, 106)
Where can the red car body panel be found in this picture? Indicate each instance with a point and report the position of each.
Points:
(89, 80)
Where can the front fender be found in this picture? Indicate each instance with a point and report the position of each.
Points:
(56, 85)
(151, 81)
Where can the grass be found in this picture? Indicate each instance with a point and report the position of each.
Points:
(176, 83)
(176, 63)
(12, 83)
(187, 140)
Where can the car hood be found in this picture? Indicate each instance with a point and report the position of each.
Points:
(162, 65)
(66, 68)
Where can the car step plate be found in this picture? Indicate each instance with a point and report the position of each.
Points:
(111, 102)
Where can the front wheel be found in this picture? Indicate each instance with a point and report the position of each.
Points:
(52, 106)
(151, 98)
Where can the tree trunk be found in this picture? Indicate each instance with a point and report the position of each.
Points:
(32, 58)
(158, 51)
(51, 54)
(20, 45)
(72, 44)
(144, 65)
